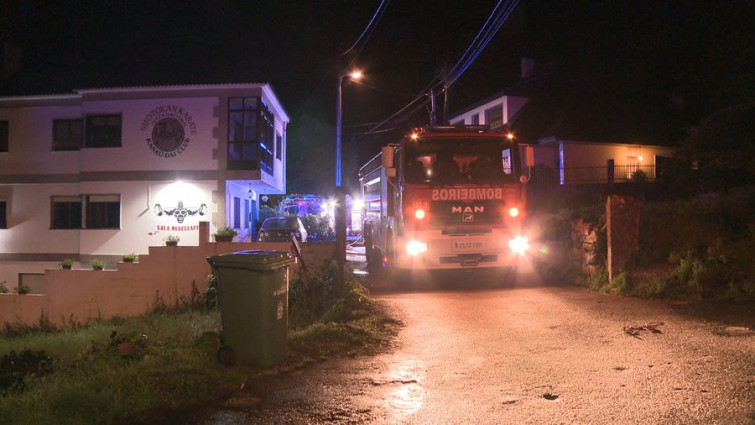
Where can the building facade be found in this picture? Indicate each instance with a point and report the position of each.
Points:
(103, 172)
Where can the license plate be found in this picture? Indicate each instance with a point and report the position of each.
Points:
(469, 246)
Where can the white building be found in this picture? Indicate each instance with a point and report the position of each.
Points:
(103, 172)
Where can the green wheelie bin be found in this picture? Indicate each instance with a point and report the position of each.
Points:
(253, 299)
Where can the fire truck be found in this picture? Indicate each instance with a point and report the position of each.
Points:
(444, 197)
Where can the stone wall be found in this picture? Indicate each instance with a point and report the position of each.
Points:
(623, 223)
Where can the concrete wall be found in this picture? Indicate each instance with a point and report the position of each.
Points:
(169, 274)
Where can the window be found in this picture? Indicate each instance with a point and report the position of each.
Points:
(278, 145)
(3, 136)
(475, 119)
(66, 212)
(103, 211)
(103, 131)
(494, 116)
(67, 135)
(236, 212)
(3, 214)
(250, 134)
(96, 211)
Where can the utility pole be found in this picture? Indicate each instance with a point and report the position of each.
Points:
(433, 110)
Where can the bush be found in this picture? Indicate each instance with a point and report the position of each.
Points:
(638, 176)
(267, 212)
(98, 264)
(320, 299)
(22, 289)
(318, 228)
(225, 231)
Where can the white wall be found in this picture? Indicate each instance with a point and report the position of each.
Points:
(30, 141)
(198, 153)
(140, 175)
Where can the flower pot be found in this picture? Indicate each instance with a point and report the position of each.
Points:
(128, 260)
(223, 238)
(171, 243)
(66, 266)
(97, 268)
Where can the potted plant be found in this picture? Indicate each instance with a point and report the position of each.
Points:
(225, 234)
(171, 240)
(130, 257)
(22, 289)
(67, 263)
(98, 264)
(3, 288)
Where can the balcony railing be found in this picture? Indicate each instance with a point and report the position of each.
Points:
(250, 155)
(591, 175)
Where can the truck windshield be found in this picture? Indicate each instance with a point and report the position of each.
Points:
(460, 160)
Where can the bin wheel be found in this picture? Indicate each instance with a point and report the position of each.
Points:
(226, 355)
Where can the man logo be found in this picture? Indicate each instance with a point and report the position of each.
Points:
(467, 209)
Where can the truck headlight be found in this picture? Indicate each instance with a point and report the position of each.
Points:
(519, 245)
(416, 247)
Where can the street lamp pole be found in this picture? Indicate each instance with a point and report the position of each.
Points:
(340, 208)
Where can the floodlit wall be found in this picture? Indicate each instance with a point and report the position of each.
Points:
(167, 274)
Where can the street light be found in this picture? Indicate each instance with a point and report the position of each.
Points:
(340, 210)
(354, 75)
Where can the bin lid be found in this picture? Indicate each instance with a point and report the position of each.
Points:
(252, 259)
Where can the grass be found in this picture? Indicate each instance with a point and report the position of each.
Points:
(164, 364)
(92, 382)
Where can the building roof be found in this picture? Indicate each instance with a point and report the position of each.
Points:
(142, 92)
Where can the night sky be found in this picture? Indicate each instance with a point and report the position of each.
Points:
(638, 71)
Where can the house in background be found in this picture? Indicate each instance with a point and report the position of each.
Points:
(495, 111)
(103, 172)
(554, 160)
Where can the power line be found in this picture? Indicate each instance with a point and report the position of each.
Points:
(485, 36)
(367, 32)
(492, 25)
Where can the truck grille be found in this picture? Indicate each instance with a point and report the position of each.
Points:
(450, 213)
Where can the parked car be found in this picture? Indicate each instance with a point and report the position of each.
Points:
(280, 229)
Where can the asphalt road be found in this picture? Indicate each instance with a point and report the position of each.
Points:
(530, 354)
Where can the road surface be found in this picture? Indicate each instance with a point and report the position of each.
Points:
(529, 354)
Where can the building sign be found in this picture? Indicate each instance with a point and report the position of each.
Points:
(179, 211)
(169, 127)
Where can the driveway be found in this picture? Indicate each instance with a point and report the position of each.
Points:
(529, 354)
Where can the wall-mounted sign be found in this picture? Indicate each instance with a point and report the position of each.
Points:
(179, 211)
(169, 127)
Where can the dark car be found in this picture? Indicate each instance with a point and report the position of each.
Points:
(280, 229)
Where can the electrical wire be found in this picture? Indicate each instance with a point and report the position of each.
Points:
(367, 32)
(498, 16)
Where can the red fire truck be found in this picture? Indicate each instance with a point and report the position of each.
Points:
(444, 197)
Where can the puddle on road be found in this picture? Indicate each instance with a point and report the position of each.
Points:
(406, 399)
(405, 394)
